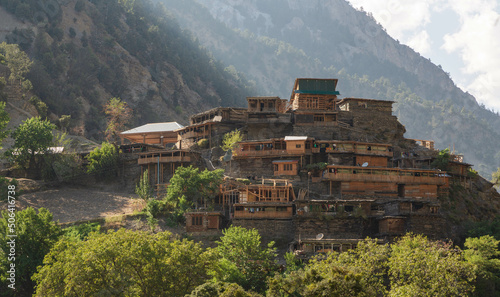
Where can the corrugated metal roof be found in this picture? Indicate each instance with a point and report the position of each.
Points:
(296, 138)
(154, 127)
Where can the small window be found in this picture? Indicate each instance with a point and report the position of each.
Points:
(196, 221)
(298, 145)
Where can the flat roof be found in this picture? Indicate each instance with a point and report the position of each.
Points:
(154, 127)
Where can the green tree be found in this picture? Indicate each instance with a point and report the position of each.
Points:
(230, 140)
(119, 114)
(4, 121)
(32, 137)
(18, 61)
(102, 162)
(357, 272)
(143, 188)
(36, 234)
(221, 289)
(419, 267)
(189, 187)
(243, 260)
(442, 160)
(123, 263)
(483, 253)
(495, 177)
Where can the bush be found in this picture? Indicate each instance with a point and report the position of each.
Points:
(103, 161)
(154, 207)
(203, 143)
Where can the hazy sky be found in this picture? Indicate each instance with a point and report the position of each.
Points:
(463, 36)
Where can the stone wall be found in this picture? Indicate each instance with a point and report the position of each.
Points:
(279, 230)
(331, 227)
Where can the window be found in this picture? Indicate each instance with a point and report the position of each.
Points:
(287, 167)
(276, 167)
(319, 118)
(196, 221)
(298, 145)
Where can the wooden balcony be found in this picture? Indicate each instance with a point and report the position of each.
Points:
(354, 148)
(260, 153)
(387, 175)
(154, 160)
(164, 157)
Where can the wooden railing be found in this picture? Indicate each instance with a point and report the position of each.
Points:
(171, 159)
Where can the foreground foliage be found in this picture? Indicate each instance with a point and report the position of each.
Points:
(413, 266)
(123, 263)
(242, 259)
(36, 235)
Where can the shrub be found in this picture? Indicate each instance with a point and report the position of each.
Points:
(203, 143)
(103, 161)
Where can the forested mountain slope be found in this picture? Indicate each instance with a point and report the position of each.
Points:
(273, 42)
(86, 52)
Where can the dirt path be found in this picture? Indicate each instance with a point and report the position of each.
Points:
(76, 204)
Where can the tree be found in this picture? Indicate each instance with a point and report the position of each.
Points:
(18, 61)
(4, 121)
(119, 114)
(190, 187)
(231, 139)
(123, 263)
(495, 177)
(36, 234)
(242, 259)
(221, 289)
(143, 188)
(419, 267)
(442, 160)
(32, 137)
(357, 272)
(483, 253)
(103, 160)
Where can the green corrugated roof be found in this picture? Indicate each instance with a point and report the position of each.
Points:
(317, 86)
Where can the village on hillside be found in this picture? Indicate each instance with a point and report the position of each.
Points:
(317, 172)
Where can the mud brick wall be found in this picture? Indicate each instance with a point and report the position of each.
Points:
(259, 131)
(433, 226)
(331, 227)
(251, 167)
(269, 229)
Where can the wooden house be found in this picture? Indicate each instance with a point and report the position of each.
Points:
(286, 167)
(271, 199)
(429, 144)
(211, 125)
(313, 101)
(366, 105)
(266, 104)
(391, 182)
(161, 165)
(314, 94)
(203, 221)
(154, 133)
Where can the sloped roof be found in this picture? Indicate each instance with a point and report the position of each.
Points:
(296, 138)
(154, 127)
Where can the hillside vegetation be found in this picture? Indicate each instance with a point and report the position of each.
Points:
(85, 52)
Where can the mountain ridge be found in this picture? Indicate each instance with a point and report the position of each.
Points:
(352, 46)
